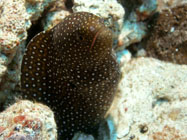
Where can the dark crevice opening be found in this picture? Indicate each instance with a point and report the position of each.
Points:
(34, 30)
(69, 4)
(1, 107)
(36, 26)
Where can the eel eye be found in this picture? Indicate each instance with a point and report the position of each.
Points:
(79, 37)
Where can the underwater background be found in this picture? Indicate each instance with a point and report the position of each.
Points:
(130, 84)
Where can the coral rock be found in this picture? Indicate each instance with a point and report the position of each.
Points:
(168, 133)
(15, 20)
(165, 4)
(55, 14)
(134, 26)
(151, 99)
(26, 120)
(168, 40)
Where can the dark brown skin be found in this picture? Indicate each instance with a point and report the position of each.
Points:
(71, 69)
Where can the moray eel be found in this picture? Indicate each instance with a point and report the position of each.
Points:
(72, 69)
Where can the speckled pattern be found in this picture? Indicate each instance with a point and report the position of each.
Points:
(72, 69)
(25, 120)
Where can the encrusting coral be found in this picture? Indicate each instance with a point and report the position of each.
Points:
(168, 39)
(27, 120)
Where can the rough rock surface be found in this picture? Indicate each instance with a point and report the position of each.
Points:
(55, 14)
(25, 120)
(81, 136)
(135, 26)
(168, 39)
(151, 102)
(15, 20)
(13, 24)
(165, 4)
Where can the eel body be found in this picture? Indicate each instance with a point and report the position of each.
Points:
(71, 68)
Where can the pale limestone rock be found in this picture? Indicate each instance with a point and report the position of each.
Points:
(151, 98)
(27, 120)
(55, 14)
(165, 4)
(15, 19)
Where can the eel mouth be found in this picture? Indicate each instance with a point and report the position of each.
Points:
(95, 37)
